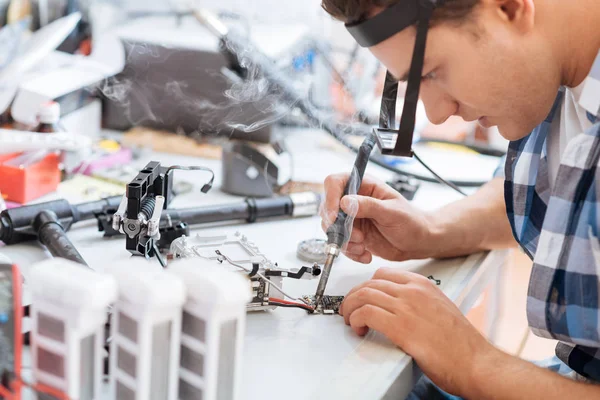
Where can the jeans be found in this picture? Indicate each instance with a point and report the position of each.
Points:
(425, 389)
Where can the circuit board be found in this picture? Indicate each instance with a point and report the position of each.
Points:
(329, 304)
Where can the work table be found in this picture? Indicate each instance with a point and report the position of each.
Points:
(288, 353)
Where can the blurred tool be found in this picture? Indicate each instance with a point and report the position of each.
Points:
(49, 222)
(405, 185)
(39, 46)
(18, 9)
(312, 250)
(250, 170)
(178, 80)
(49, 118)
(146, 328)
(11, 39)
(11, 337)
(28, 176)
(339, 232)
(12, 141)
(68, 315)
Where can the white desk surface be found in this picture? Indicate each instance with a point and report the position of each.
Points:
(288, 353)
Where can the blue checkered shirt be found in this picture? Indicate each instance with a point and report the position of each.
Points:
(559, 229)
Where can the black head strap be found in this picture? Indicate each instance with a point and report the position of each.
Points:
(377, 29)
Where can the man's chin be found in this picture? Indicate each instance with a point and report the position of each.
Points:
(512, 132)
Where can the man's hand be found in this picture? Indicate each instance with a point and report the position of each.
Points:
(385, 225)
(388, 226)
(414, 314)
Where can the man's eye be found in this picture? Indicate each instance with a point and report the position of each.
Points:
(429, 76)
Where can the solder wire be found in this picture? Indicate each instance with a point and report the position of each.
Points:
(267, 280)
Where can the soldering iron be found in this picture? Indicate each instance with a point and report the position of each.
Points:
(338, 233)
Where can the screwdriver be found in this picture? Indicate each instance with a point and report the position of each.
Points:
(337, 234)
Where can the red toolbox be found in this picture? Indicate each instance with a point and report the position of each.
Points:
(24, 182)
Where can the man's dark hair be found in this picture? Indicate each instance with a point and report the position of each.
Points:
(352, 11)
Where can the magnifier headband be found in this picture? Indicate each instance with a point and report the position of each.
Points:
(370, 32)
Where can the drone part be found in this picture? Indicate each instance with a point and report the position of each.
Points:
(169, 233)
(146, 331)
(290, 304)
(214, 319)
(328, 304)
(312, 250)
(68, 318)
(314, 271)
(260, 275)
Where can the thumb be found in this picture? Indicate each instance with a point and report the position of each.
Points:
(362, 206)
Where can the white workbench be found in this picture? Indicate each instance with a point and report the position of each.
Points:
(288, 353)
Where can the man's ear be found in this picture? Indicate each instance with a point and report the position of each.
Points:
(519, 13)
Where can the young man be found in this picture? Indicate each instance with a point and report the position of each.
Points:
(501, 62)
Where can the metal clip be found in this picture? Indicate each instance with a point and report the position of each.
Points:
(154, 222)
(120, 214)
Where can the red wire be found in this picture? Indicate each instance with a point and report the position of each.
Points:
(5, 394)
(291, 303)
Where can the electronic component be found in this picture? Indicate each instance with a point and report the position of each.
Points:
(214, 319)
(68, 315)
(146, 331)
(312, 250)
(237, 253)
(327, 305)
(11, 340)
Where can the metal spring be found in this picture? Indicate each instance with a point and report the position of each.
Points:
(147, 207)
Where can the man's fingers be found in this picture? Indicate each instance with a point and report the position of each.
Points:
(371, 317)
(334, 190)
(364, 258)
(355, 249)
(357, 236)
(391, 288)
(364, 296)
(363, 207)
(398, 276)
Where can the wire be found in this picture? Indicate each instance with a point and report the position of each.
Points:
(206, 186)
(439, 178)
(267, 280)
(159, 256)
(283, 303)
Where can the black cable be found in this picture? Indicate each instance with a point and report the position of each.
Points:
(439, 178)
(158, 255)
(206, 186)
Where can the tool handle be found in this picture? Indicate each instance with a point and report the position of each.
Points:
(52, 235)
(336, 234)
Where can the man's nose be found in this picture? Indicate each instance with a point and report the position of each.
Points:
(438, 105)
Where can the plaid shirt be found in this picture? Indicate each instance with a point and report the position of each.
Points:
(559, 229)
